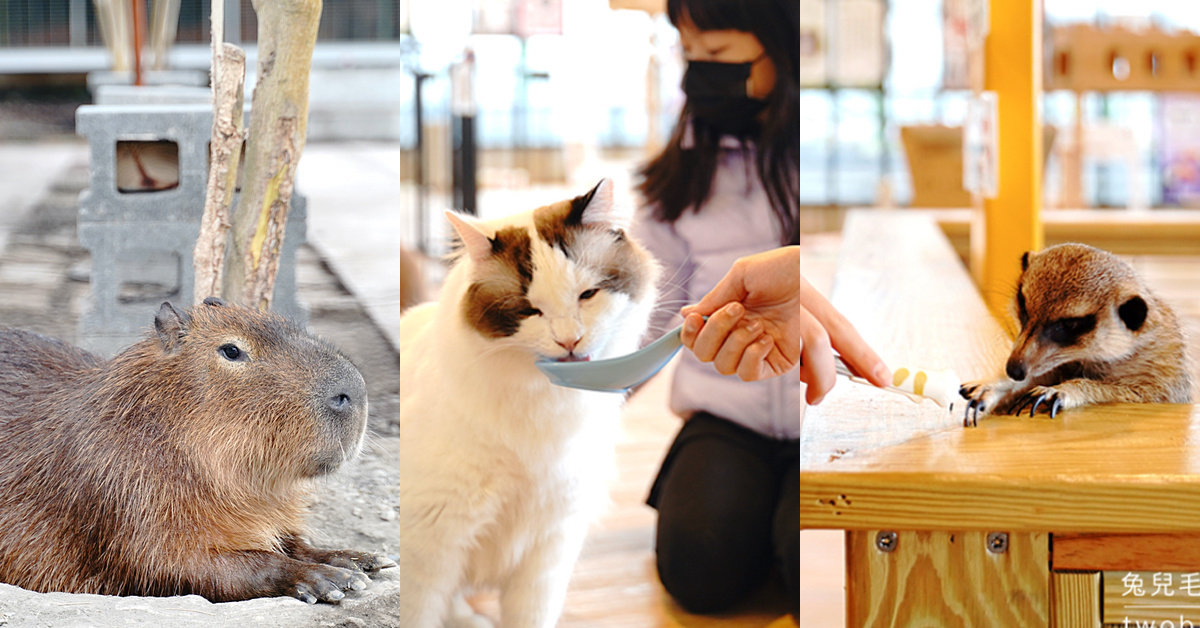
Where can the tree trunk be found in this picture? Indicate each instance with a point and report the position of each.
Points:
(287, 32)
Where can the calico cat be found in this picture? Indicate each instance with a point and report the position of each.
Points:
(500, 471)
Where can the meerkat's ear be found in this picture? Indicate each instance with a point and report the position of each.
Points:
(214, 301)
(1133, 312)
(171, 325)
(1025, 261)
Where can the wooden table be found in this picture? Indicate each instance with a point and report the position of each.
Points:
(1011, 523)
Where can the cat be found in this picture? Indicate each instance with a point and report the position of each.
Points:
(500, 471)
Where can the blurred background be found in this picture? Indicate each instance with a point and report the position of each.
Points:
(880, 77)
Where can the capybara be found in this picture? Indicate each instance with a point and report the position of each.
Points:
(180, 466)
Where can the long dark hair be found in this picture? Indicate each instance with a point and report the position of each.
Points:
(679, 179)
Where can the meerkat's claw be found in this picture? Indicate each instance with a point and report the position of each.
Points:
(1050, 397)
(971, 414)
(1037, 402)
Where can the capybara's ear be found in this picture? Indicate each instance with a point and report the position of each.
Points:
(171, 326)
(214, 301)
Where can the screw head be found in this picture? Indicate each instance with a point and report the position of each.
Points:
(886, 541)
(997, 542)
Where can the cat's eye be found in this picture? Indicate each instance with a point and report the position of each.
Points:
(232, 353)
(587, 294)
(530, 311)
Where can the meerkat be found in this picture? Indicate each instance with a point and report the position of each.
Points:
(1091, 332)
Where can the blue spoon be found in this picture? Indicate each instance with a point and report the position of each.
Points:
(615, 374)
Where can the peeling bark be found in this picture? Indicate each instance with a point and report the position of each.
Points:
(228, 134)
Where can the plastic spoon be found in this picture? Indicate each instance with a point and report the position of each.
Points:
(615, 374)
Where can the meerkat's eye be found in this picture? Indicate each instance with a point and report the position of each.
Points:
(587, 294)
(232, 353)
(1067, 331)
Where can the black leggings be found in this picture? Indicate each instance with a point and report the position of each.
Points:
(728, 503)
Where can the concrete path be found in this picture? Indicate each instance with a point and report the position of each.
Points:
(26, 171)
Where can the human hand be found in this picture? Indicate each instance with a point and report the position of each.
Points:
(765, 320)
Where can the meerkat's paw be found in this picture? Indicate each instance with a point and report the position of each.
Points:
(1052, 400)
(983, 397)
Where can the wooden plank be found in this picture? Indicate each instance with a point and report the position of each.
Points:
(898, 272)
(947, 579)
(1076, 599)
(1126, 552)
(1162, 597)
(1111, 468)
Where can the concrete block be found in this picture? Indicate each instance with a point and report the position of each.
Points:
(141, 242)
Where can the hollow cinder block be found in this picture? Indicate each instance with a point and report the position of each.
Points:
(141, 242)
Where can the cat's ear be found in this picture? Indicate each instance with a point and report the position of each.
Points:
(475, 236)
(598, 208)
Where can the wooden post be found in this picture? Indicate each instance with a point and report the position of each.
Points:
(947, 579)
(138, 16)
(1011, 223)
(1075, 599)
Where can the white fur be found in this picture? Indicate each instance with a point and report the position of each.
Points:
(500, 471)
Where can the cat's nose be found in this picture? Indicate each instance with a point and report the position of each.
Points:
(569, 345)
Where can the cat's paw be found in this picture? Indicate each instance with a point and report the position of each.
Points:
(474, 621)
(463, 616)
(1047, 398)
(983, 397)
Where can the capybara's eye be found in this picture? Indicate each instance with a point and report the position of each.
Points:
(232, 353)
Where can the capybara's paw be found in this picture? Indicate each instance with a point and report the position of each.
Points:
(326, 583)
(983, 397)
(1052, 400)
(361, 561)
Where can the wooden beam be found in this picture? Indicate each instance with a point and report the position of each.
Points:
(1011, 221)
(1127, 552)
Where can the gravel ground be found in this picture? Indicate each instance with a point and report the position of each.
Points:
(43, 282)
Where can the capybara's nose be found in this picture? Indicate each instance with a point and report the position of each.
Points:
(340, 403)
(346, 397)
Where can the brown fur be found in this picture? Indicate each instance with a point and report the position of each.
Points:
(172, 469)
(1091, 332)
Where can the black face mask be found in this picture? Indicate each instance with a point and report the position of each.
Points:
(716, 94)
